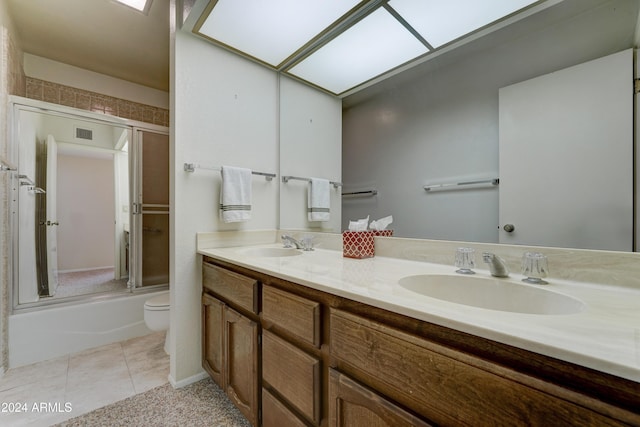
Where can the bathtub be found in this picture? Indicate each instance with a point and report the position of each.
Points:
(52, 332)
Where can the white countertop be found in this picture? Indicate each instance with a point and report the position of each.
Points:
(605, 336)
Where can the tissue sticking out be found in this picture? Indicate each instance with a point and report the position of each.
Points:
(381, 224)
(359, 225)
(377, 225)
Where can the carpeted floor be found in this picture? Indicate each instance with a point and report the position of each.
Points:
(199, 404)
(88, 282)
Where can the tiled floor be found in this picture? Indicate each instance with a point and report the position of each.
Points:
(49, 392)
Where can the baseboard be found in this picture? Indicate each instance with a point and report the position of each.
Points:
(190, 380)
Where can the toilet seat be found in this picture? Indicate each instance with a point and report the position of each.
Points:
(159, 303)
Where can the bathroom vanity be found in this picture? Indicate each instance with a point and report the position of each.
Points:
(310, 338)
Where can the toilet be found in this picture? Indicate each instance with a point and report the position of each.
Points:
(156, 315)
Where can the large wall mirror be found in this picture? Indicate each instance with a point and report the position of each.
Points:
(444, 122)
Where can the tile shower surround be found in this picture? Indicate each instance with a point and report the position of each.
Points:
(42, 90)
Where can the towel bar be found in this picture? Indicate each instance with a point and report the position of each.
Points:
(7, 166)
(286, 179)
(191, 167)
(494, 181)
(362, 193)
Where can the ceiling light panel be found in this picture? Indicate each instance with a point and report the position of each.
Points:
(141, 5)
(374, 45)
(271, 31)
(440, 22)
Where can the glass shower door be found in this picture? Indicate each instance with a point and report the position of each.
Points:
(150, 210)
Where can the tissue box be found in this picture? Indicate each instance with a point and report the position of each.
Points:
(357, 244)
(383, 233)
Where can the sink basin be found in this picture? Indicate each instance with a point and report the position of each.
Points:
(272, 252)
(492, 294)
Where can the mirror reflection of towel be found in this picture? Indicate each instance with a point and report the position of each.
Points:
(235, 194)
(319, 200)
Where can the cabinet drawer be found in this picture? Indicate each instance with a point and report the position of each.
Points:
(298, 316)
(232, 287)
(446, 386)
(275, 414)
(293, 374)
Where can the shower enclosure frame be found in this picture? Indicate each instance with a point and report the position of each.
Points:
(16, 104)
(146, 207)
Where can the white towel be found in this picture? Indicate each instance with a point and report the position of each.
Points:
(319, 200)
(235, 194)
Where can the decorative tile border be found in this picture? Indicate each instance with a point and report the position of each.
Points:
(43, 90)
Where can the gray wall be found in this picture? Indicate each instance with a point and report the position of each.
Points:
(438, 122)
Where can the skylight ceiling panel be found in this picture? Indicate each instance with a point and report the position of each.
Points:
(376, 44)
(141, 5)
(271, 31)
(440, 22)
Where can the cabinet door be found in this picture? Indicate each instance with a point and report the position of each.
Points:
(213, 338)
(353, 405)
(242, 363)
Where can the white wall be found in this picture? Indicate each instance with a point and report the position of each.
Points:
(310, 146)
(441, 125)
(228, 110)
(225, 113)
(41, 68)
(86, 191)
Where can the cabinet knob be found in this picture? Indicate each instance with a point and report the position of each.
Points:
(509, 228)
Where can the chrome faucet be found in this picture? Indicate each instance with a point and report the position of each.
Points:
(497, 265)
(290, 242)
(306, 243)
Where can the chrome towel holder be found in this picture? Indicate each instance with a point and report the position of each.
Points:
(191, 167)
(286, 179)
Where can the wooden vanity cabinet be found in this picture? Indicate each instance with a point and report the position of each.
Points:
(230, 337)
(325, 360)
(451, 388)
